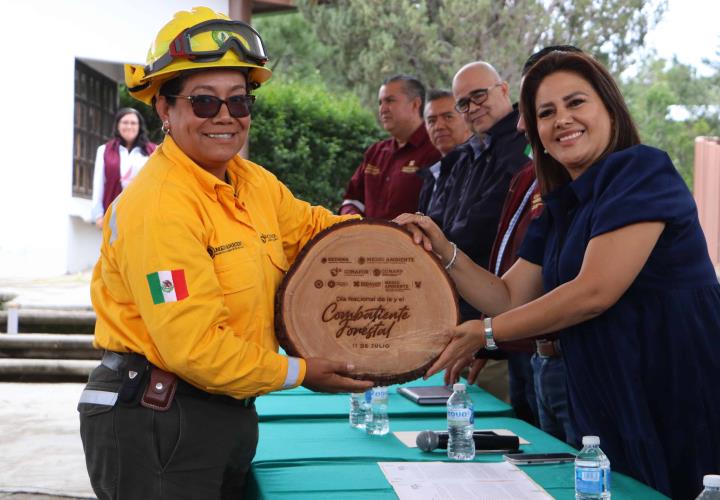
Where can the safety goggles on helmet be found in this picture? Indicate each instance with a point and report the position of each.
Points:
(208, 106)
(210, 41)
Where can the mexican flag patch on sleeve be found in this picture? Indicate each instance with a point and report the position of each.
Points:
(167, 286)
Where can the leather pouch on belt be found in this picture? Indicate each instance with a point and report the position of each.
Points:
(160, 390)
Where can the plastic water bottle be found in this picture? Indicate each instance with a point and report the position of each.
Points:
(358, 408)
(592, 471)
(712, 488)
(461, 423)
(377, 422)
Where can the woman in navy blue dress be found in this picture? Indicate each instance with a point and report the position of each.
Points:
(618, 264)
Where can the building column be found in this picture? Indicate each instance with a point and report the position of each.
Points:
(707, 192)
(240, 10)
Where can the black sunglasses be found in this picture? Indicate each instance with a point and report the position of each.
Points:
(208, 106)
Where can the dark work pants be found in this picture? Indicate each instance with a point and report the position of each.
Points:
(201, 448)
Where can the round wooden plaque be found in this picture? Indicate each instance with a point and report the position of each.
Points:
(364, 292)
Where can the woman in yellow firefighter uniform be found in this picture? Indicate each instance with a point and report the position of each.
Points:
(192, 254)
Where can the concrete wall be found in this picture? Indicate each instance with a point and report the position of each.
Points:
(41, 228)
(707, 191)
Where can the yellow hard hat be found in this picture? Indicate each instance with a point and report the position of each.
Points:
(200, 38)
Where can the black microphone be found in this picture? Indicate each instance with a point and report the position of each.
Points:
(429, 441)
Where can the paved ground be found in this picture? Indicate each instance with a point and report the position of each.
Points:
(71, 291)
(30, 496)
(39, 437)
(41, 455)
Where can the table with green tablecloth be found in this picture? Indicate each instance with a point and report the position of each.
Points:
(301, 403)
(325, 458)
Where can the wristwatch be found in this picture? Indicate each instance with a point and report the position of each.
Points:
(490, 344)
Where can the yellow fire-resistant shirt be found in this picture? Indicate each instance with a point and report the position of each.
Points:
(189, 267)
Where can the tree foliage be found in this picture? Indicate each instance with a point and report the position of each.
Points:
(310, 139)
(294, 50)
(660, 86)
(432, 39)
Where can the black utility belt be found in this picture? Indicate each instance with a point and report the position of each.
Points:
(158, 387)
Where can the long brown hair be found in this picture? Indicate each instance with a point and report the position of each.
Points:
(623, 133)
(142, 140)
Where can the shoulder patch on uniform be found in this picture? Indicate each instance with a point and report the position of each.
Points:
(168, 286)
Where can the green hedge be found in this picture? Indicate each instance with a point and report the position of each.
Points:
(311, 139)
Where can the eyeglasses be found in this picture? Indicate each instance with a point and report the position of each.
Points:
(208, 106)
(225, 35)
(477, 97)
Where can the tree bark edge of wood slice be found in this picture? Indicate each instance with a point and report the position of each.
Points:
(363, 292)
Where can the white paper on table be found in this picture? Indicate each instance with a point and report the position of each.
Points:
(461, 481)
(408, 438)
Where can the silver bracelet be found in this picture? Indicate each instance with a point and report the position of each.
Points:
(490, 344)
(449, 265)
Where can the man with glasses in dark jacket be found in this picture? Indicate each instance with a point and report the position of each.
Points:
(469, 205)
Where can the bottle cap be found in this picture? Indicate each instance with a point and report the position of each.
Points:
(458, 387)
(711, 480)
(590, 441)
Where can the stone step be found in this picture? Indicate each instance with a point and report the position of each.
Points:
(50, 320)
(55, 370)
(48, 346)
(46, 341)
